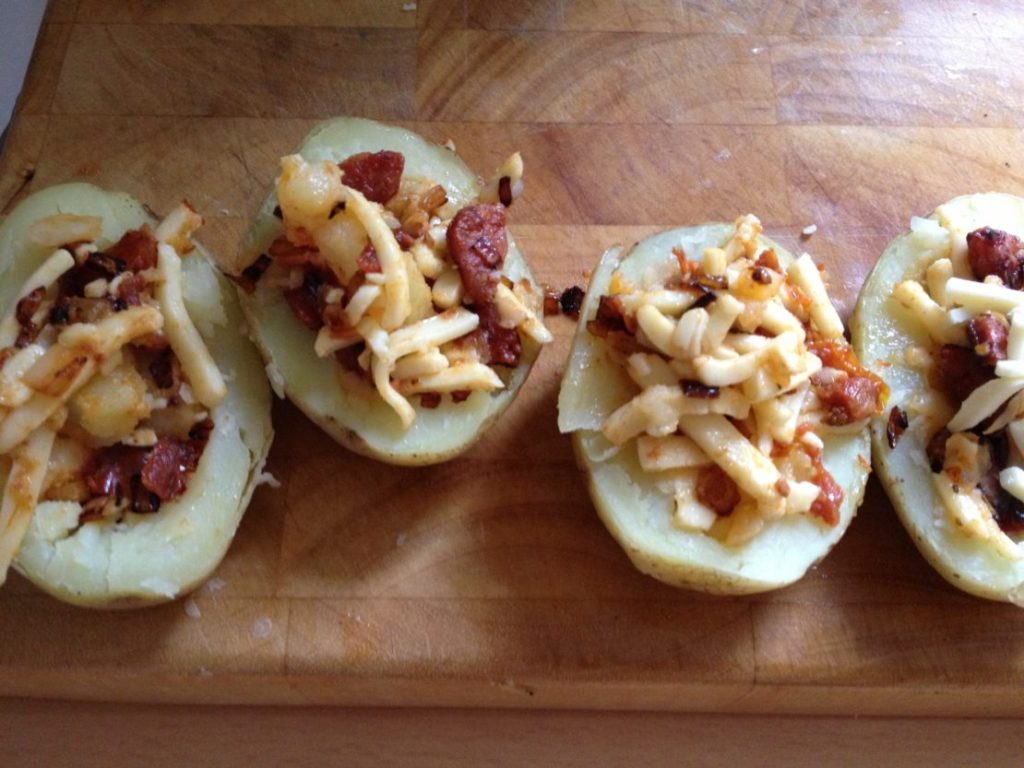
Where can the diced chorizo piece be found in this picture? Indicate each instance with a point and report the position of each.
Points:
(460, 395)
(168, 465)
(503, 344)
(848, 398)
(994, 252)
(136, 250)
(987, 333)
(716, 490)
(960, 371)
(376, 174)
(478, 242)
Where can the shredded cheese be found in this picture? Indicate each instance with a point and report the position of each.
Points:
(205, 378)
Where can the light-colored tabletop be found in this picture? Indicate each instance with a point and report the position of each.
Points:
(489, 584)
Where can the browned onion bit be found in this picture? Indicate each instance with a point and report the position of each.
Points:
(505, 191)
(896, 426)
(696, 389)
(571, 300)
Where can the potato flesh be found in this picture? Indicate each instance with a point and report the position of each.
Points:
(152, 559)
(635, 511)
(356, 416)
(881, 334)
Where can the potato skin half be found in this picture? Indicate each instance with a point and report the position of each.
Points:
(881, 331)
(359, 419)
(637, 515)
(167, 554)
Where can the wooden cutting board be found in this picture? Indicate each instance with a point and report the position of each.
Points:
(489, 580)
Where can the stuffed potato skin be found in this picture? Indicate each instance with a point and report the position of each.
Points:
(882, 330)
(356, 416)
(166, 554)
(636, 514)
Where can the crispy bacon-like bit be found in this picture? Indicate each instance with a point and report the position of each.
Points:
(367, 260)
(896, 426)
(861, 394)
(404, 239)
(285, 252)
(960, 371)
(28, 305)
(936, 449)
(1007, 510)
(716, 490)
(136, 249)
(166, 372)
(23, 313)
(130, 290)
(829, 500)
(702, 391)
(167, 467)
(988, 333)
(306, 301)
(552, 303)
(571, 301)
(430, 400)
(252, 274)
(994, 252)
(376, 174)
(110, 470)
(849, 398)
(460, 395)
(348, 357)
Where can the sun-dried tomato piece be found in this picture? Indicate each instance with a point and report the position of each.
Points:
(376, 174)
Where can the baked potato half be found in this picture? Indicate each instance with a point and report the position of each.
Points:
(388, 300)
(133, 409)
(721, 518)
(938, 319)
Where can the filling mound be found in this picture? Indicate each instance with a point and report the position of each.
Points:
(972, 307)
(403, 290)
(740, 367)
(106, 386)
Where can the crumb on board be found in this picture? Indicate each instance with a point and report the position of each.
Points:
(809, 230)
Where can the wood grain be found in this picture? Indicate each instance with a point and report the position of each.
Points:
(238, 71)
(244, 736)
(591, 77)
(489, 581)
